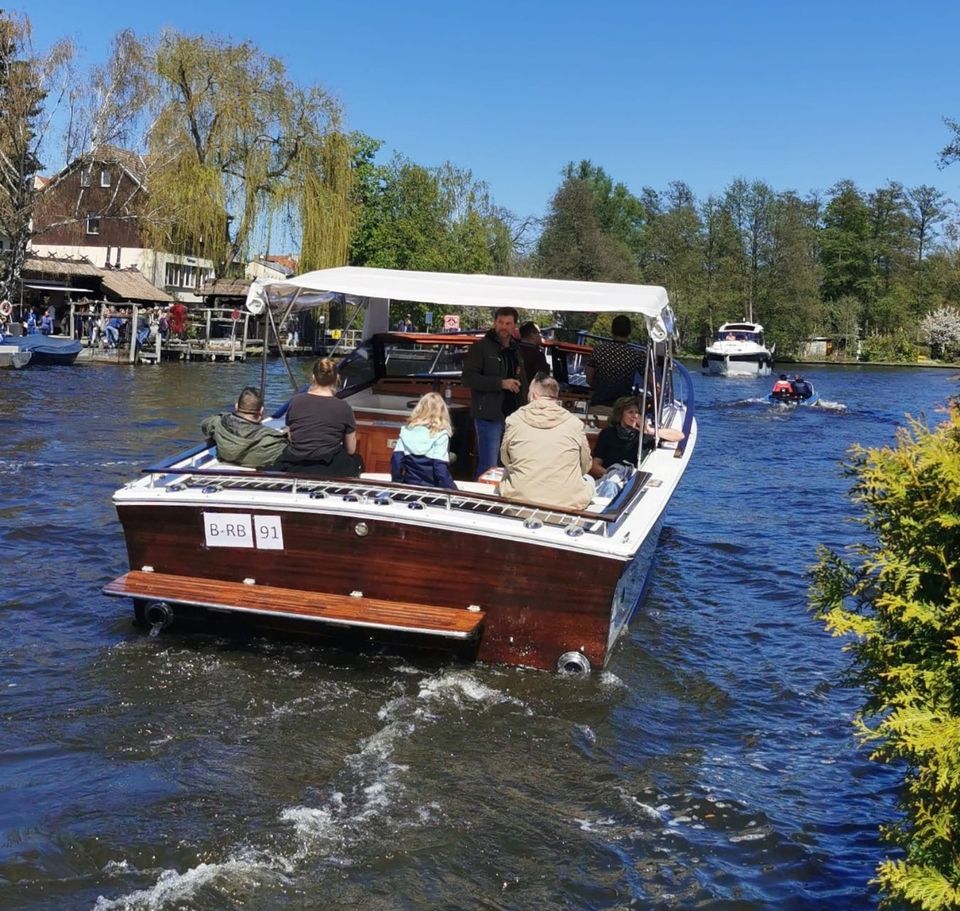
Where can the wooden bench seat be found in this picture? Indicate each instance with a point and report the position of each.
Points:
(342, 610)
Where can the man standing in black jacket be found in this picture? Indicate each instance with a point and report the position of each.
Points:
(494, 372)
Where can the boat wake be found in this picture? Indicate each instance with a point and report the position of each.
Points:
(820, 404)
(364, 800)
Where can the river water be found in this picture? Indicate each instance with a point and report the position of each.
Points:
(713, 765)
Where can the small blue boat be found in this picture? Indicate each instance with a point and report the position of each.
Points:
(797, 391)
(46, 349)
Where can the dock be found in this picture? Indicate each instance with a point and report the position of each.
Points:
(211, 334)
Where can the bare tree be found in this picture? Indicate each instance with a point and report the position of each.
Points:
(33, 88)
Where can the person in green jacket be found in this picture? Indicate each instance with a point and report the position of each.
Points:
(241, 438)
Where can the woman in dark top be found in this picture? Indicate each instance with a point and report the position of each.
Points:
(323, 432)
(620, 440)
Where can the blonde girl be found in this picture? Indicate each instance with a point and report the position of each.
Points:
(422, 453)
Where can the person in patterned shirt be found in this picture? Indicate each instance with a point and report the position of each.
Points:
(612, 366)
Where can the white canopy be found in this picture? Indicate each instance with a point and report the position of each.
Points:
(453, 290)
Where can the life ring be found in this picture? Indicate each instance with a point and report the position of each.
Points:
(6, 308)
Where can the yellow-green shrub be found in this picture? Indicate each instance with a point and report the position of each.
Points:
(898, 600)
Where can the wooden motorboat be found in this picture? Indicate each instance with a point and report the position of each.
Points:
(492, 579)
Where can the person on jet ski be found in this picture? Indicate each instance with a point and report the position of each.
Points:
(782, 387)
(802, 388)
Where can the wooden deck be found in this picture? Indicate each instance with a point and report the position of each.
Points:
(341, 610)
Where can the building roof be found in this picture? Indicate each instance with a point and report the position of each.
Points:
(225, 287)
(290, 263)
(115, 284)
(131, 162)
(57, 267)
(130, 285)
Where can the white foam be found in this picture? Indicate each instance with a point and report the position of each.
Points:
(587, 732)
(173, 888)
(608, 678)
(370, 775)
(460, 686)
(313, 823)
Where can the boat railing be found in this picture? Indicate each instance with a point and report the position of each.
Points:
(686, 397)
(187, 472)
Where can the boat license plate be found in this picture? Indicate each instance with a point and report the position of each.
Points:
(242, 530)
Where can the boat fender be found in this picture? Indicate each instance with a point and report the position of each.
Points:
(6, 308)
(573, 663)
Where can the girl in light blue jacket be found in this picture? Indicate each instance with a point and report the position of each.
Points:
(422, 453)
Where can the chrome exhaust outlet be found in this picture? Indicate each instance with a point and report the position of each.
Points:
(573, 664)
(159, 615)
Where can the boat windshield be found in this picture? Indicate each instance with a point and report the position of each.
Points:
(739, 335)
(392, 356)
(415, 358)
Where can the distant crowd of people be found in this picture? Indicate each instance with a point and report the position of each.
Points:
(112, 327)
(518, 416)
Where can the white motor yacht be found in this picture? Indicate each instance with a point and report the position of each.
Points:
(738, 350)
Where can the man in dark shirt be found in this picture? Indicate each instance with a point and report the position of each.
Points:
(611, 368)
(493, 371)
(534, 360)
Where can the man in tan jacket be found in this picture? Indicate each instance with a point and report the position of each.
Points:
(545, 452)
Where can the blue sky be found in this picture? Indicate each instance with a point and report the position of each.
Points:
(797, 94)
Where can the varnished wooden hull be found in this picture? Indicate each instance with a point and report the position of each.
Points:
(539, 602)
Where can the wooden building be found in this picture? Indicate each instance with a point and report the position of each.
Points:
(95, 209)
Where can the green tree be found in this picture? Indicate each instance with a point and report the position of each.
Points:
(723, 265)
(675, 260)
(890, 232)
(926, 209)
(619, 213)
(845, 248)
(440, 219)
(573, 243)
(793, 308)
(751, 210)
(898, 600)
(842, 315)
(481, 233)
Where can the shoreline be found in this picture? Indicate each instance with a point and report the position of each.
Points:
(788, 366)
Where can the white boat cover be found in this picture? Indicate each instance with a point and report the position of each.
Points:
(447, 289)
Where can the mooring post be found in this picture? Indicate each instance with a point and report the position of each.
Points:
(132, 356)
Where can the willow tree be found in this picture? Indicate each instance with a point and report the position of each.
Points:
(235, 143)
(27, 79)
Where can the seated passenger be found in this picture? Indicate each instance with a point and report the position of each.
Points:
(545, 452)
(323, 431)
(801, 387)
(239, 436)
(422, 454)
(782, 386)
(619, 441)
